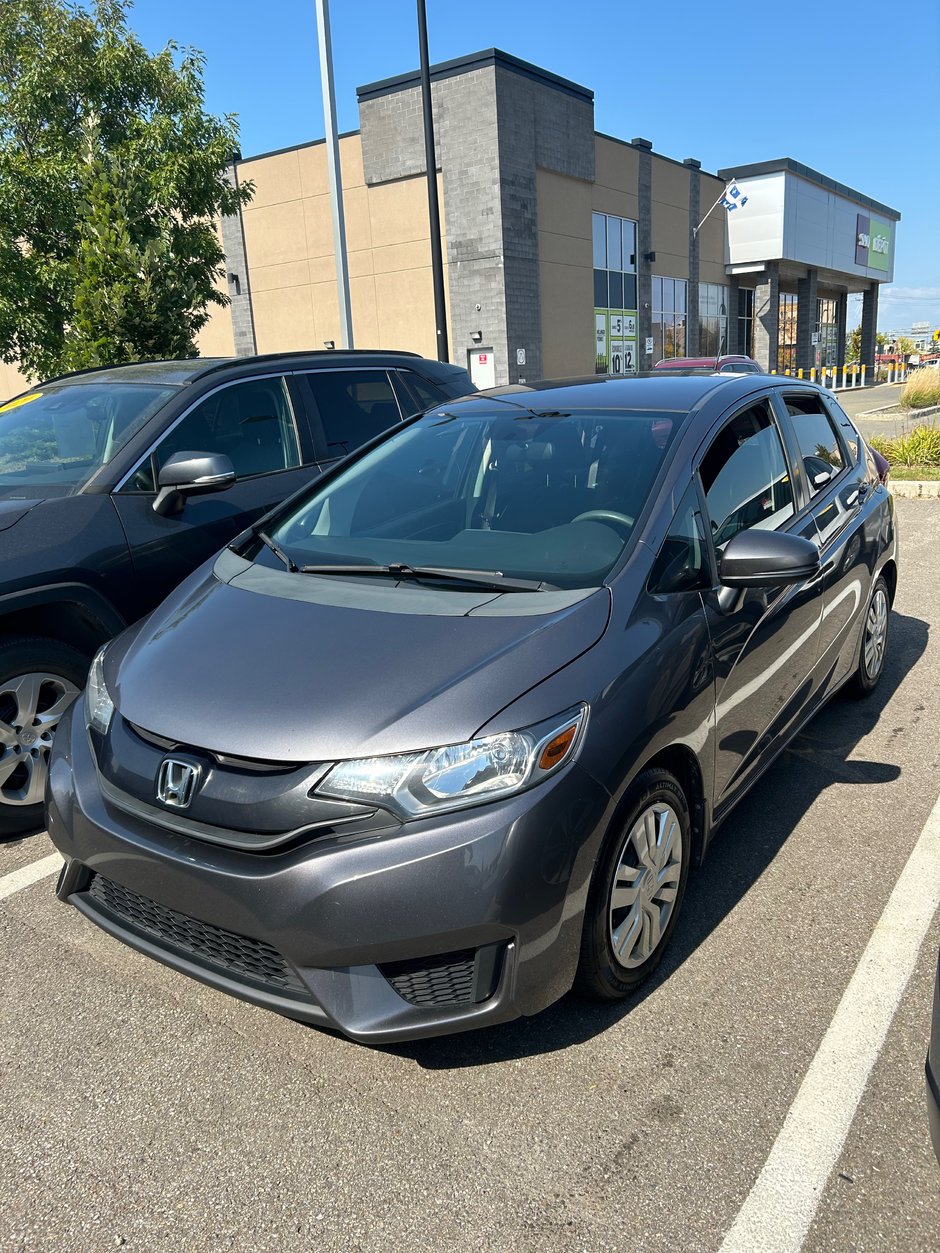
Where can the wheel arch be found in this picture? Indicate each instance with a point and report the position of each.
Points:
(681, 762)
(70, 613)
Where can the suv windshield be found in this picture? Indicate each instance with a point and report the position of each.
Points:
(552, 499)
(52, 441)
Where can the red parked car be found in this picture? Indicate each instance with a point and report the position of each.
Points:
(728, 364)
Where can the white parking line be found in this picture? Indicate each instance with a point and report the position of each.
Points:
(780, 1207)
(36, 870)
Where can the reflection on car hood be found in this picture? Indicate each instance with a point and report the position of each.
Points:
(301, 676)
(12, 510)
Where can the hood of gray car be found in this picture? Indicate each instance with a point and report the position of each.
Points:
(12, 510)
(265, 664)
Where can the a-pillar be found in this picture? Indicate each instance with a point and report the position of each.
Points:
(869, 327)
(766, 325)
(806, 320)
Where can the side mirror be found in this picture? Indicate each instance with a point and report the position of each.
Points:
(191, 474)
(756, 558)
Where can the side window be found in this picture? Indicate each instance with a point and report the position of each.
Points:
(821, 450)
(682, 564)
(745, 476)
(850, 436)
(249, 422)
(426, 394)
(352, 407)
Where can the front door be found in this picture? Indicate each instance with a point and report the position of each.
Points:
(764, 639)
(252, 422)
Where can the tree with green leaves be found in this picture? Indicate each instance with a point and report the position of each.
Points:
(111, 177)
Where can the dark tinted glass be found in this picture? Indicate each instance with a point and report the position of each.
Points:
(629, 291)
(600, 289)
(616, 290)
(353, 406)
(425, 393)
(818, 443)
(745, 477)
(682, 564)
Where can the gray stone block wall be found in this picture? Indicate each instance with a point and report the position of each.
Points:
(644, 243)
(765, 331)
(843, 328)
(806, 290)
(493, 127)
(869, 325)
(695, 209)
(237, 277)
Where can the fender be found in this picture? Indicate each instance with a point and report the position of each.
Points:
(89, 603)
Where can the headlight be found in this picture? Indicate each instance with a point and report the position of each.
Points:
(460, 774)
(99, 707)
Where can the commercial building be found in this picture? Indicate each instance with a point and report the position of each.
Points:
(566, 251)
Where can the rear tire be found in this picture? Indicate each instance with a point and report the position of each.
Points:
(39, 679)
(637, 889)
(874, 646)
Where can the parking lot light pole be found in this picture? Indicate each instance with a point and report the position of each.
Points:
(434, 213)
(335, 173)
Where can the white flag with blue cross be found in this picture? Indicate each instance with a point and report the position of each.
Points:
(733, 198)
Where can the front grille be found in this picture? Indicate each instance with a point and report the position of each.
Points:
(236, 955)
(427, 981)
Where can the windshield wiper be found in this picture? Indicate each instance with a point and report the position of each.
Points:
(494, 579)
(277, 550)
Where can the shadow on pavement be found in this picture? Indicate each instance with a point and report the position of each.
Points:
(743, 848)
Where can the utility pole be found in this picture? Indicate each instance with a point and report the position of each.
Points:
(335, 175)
(434, 213)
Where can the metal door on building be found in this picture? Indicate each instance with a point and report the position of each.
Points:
(482, 366)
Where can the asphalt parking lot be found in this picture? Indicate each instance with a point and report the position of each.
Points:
(144, 1111)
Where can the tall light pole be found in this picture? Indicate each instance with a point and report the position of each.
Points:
(335, 176)
(434, 212)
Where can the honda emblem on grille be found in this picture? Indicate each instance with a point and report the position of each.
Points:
(176, 782)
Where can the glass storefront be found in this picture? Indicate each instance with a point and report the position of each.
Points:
(786, 341)
(670, 309)
(615, 304)
(712, 319)
(745, 321)
(827, 330)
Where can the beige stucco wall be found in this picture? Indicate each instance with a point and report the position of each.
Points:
(289, 244)
(11, 382)
(712, 236)
(616, 179)
(565, 275)
(669, 187)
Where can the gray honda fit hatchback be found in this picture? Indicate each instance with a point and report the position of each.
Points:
(443, 735)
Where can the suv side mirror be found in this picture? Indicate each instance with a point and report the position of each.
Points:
(191, 474)
(755, 558)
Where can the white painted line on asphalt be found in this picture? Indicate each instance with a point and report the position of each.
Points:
(32, 873)
(780, 1207)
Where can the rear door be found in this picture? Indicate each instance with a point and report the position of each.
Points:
(839, 488)
(253, 422)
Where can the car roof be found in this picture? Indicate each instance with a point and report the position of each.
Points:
(655, 390)
(178, 373)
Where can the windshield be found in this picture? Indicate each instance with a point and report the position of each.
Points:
(551, 499)
(52, 441)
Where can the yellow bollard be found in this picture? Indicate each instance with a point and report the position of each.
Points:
(864, 368)
(799, 373)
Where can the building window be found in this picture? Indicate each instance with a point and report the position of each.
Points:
(615, 310)
(827, 330)
(745, 321)
(670, 310)
(712, 319)
(786, 334)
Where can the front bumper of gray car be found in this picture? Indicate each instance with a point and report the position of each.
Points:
(440, 925)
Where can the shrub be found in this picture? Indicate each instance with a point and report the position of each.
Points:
(919, 447)
(921, 389)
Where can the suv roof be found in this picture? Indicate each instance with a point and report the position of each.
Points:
(187, 370)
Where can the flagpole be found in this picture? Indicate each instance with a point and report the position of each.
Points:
(696, 229)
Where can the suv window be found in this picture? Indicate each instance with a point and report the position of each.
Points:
(745, 476)
(426, 394)
(821, 450)
(352, 407)
(250, 422)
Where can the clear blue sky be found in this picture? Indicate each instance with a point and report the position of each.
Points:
(849, 88)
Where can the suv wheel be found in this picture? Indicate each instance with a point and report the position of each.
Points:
(637, 889)
(39, 679)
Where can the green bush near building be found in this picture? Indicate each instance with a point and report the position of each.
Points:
(921, 389)
(918, 448)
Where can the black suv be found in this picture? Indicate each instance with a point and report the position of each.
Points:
(117, 483)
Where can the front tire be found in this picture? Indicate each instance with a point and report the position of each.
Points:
(39, 679)
(637, 889)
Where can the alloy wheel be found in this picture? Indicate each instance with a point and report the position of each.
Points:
(876, 633)
(30, 708)
(645, 885)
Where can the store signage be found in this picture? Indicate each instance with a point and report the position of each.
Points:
(872, 242)
(615, 341)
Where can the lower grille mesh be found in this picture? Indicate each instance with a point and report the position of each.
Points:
(237, 955)
(427, 981)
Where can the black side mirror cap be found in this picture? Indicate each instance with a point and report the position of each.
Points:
(191, 474)
(755, 558)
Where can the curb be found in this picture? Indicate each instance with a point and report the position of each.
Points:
(915, 489)
(887, 412)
